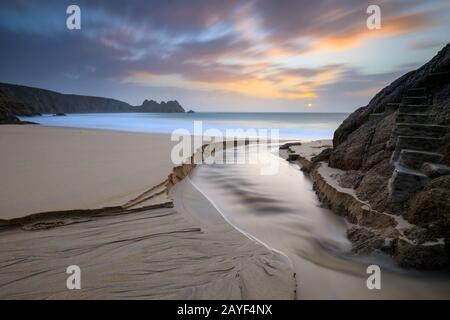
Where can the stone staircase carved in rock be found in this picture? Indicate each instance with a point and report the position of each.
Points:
(415, 157)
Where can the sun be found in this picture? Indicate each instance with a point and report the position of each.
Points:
(310, 105)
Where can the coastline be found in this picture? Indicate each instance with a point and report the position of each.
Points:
(136, 245)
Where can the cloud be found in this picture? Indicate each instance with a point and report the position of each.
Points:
(426, 44)
(259, 48)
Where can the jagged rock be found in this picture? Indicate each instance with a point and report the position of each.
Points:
(420, 235)
(366, 241)
(373, 184)
(432, 206)
(60, 114)
(350, 179)
(292, 157)
(286, 145)
(324, 155)
(364, 147)
(424, 257)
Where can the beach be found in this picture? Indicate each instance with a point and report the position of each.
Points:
(97, 199)
(141, 227)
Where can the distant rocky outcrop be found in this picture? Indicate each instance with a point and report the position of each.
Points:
(16, 100)
(153, 106)
(397, 149)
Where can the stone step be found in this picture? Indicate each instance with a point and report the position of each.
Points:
(391, 107)
(416, 143)
(415, 100)
(416, 92)
(438, 78)
(376, 116)
(414, 108)
(422, 118)
(425, 130)
(434, 170)
(404, 182)
(416, 158)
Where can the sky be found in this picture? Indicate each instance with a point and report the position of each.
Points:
(227, 55)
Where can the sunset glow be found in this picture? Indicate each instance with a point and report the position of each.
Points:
(209, 55)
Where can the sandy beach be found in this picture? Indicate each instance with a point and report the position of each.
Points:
(84, 180)
(51, 169)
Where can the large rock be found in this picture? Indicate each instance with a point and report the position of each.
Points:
(368, 145)
(356, 132)
(324, 155)
(431, 206)
(429, 257)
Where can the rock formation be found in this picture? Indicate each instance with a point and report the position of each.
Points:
(397, 149)
(169, 106)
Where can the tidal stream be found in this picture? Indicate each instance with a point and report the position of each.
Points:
(283, 212)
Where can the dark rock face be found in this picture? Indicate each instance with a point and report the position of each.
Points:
(365, 241)
(366, 144)
(324, 155)
(38, 101)
(403, 133)
(356, 132)
(420, 257)
(431, 206)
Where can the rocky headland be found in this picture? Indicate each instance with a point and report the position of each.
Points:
(16, 100)
(388, 169)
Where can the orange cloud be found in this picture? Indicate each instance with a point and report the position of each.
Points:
(391, 26)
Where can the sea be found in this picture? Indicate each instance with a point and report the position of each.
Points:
(305, 126)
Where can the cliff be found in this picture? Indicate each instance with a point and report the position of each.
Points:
(396, 156)
(16, 100)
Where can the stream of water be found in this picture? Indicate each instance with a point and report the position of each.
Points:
(283, 212)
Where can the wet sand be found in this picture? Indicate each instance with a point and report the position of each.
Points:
(50, 168)
(128, 252)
